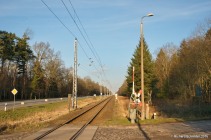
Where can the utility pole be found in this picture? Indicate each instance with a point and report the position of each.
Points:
(142, 67)
(74, 97)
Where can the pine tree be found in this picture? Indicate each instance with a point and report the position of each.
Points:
(148, 71)
(22, 55)
(38, 83)
(7, 43)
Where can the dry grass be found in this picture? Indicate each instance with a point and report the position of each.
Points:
(166, 112)
(183, 110)
(36, 117)
(120, 112)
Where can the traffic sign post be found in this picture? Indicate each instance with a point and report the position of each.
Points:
(14, 91)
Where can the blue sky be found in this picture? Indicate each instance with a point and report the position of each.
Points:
(113, 27)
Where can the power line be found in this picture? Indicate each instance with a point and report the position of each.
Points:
(85, 31)
(92, 50)
(94, 53)
(76, 25)
(58, 18)
(65, 26)
(80, 29)
(83, 50)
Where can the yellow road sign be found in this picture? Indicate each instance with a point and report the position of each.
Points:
(14, 91)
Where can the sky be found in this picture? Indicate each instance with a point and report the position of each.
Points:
(112, 26)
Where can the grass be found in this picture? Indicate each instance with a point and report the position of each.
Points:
(120, 120)
(28, 118)
(24, 112)
(160, 120)
(186, 111)
(117, 121)
(36, 117)
(168, 111)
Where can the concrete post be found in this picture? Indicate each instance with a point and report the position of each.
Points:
(5, 108)
(132, 115)
(154, 115)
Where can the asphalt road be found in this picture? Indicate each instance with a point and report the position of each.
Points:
(26, 103)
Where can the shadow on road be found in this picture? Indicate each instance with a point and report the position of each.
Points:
(141, 129)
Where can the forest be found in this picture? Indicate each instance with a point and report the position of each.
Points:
(36, 71)
(178, 72)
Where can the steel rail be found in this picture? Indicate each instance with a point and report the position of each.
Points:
(88, 122)
(68, 121)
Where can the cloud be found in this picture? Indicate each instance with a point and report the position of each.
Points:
(19, 8)
(182, 10)
(101, 3)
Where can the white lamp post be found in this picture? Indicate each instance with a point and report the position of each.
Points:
(142, 67)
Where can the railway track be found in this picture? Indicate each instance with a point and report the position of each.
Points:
(78, 122)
